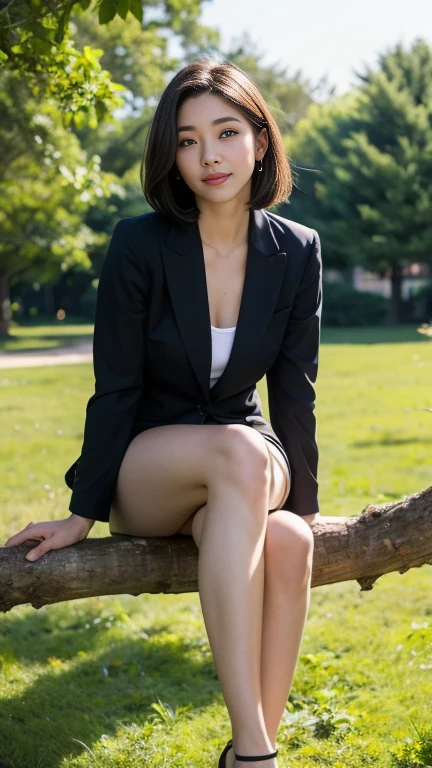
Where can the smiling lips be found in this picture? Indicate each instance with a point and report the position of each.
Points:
(216, 178)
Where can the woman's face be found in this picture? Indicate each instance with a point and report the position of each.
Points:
(228, 147)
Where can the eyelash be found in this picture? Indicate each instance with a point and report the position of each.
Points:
(227, 130)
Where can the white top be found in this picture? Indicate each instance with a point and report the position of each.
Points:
(222, 341)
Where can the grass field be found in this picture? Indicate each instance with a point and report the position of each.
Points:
(130, 681)
(31, 338)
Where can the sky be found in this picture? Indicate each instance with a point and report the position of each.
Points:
(320, 38)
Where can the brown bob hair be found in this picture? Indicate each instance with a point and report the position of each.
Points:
(173, 198)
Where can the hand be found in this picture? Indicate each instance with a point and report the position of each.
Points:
(313, 518)
(54, 534)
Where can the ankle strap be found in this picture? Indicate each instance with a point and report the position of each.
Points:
(253, 758)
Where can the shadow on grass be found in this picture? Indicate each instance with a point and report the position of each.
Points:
(397, 334)
(107, 685)
(46, 336)
(389, 440)
(17, 345)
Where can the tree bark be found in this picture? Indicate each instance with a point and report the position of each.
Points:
(395, 305)
(383, 538)
(5, 307)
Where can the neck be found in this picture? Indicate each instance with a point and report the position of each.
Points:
(224, 230)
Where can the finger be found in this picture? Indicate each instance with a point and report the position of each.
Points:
(25, 535)
(17, 539)
(37, 552)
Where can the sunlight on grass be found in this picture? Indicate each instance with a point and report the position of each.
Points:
(40, 337)
(130, 681)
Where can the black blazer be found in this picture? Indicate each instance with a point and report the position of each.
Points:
(152, 349)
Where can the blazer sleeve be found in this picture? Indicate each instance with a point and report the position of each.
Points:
(290, 387)
(118, 361)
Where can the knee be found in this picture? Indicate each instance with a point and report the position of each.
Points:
(245, 457)
(289, 547)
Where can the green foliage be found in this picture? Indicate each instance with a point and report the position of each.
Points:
(343, 305)
(42, 215)
(367, 186)
(422, 300)
(34, 41)
(414, 752)
(50, 64)
(61, 205)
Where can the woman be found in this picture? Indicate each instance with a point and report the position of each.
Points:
(197, 301)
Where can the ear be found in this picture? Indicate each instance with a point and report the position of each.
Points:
(261, 144)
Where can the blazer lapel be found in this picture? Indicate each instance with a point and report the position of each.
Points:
(183, 258)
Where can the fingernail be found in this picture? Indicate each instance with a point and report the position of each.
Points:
(30, 557)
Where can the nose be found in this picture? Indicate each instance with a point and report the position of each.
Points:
(210, 156)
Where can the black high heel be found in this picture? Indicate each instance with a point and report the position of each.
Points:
(246, 758)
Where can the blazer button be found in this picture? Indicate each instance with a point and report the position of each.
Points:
(201, 410)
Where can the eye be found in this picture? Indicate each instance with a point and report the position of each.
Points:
(227, 130)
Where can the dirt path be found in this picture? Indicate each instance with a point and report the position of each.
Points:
(79, 353)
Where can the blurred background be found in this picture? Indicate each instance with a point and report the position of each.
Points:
(351, 92)
(130, 681)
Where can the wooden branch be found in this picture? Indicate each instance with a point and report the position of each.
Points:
(388, 537)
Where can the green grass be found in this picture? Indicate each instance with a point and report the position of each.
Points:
(31, 338)
(130, 681)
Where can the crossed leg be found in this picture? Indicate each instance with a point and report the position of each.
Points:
(288, 555)
(254, 568)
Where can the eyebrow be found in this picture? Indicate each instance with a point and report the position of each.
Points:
(214, 122)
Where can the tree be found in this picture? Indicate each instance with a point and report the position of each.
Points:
(47, 183)
(46, 81)
(369, 191)
(35, 42)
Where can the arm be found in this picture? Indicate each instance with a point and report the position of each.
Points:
(118, 360)
(291, 394)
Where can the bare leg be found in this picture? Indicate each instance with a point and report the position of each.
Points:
(286, 605)
(227, 471)
(231, 588)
